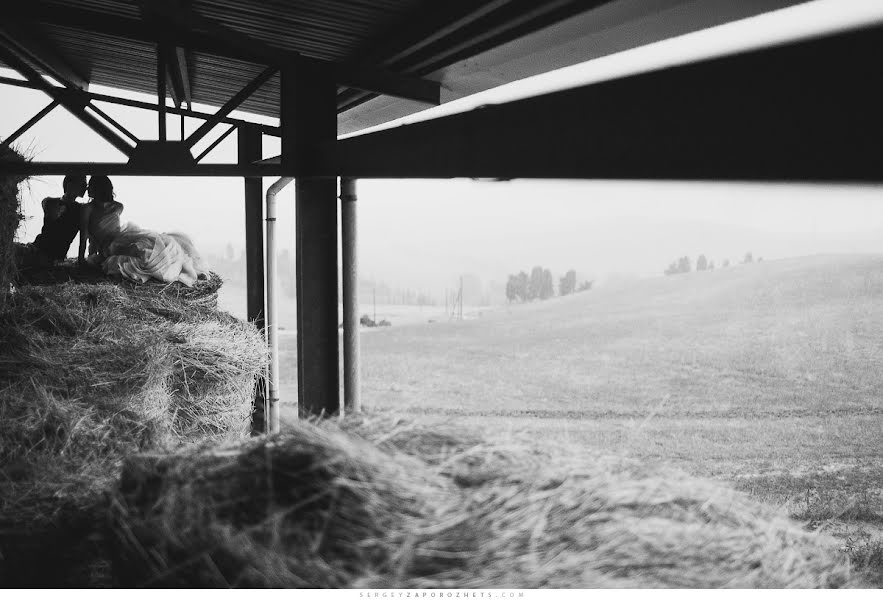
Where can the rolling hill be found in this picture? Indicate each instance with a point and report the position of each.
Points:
(765, 375)
(773, 363)
(780, 338)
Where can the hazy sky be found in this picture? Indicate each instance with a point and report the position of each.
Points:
(422, 233)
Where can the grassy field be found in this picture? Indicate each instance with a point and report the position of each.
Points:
(233, 300)
(764, 375)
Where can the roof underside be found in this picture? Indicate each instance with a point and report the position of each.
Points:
(466, 45)
(113, 42)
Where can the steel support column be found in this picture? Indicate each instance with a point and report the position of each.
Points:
(352, 399)
(309, 118)
(249, 152)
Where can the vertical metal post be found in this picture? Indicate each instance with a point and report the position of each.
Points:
(352, 399)
(273, 306)
(249, 142)
(309, 118)
(161, 90)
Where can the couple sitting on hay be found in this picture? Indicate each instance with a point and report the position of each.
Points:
(118, 249)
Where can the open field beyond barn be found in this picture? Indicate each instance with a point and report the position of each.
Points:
(133, 468)
(765, 375)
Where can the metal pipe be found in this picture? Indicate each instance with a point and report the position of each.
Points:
(272, 411)
(352, 400)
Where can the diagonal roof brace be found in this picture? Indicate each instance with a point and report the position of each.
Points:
(230, 106)
(71, 99)
(33, 46)
(30, 123)
(93, 97)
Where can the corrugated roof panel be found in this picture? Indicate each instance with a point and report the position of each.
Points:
(370, 32)
(327, 29)
(119, 8)
(113, 61)
(215, 80)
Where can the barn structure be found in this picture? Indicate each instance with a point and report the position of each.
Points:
(805, 109)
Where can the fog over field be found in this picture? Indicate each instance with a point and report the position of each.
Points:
(424, 234)
(417, 232)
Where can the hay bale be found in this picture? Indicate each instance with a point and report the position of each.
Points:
(106, 370)
(312, 508)
(90, 373)
(164, 299)
(10, 217)
(317, 507)
(614, 523)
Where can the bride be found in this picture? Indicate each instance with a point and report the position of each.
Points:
(126, 250)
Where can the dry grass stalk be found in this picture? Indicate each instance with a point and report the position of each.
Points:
(318, 508)
(312, 508)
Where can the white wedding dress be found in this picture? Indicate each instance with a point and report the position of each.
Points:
(140, 254)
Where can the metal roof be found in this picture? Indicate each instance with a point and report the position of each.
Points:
(799, 92)
(113, 42)
(466, 45)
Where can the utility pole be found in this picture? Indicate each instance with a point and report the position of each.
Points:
(461, 297)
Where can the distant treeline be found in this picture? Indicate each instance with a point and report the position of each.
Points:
(684, 265)
(231, 268)
(540, 285)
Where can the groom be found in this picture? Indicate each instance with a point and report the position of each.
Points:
(61, 223)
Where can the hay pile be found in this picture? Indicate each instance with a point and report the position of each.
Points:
(10, 217)
(90, 373)
(418, 507)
